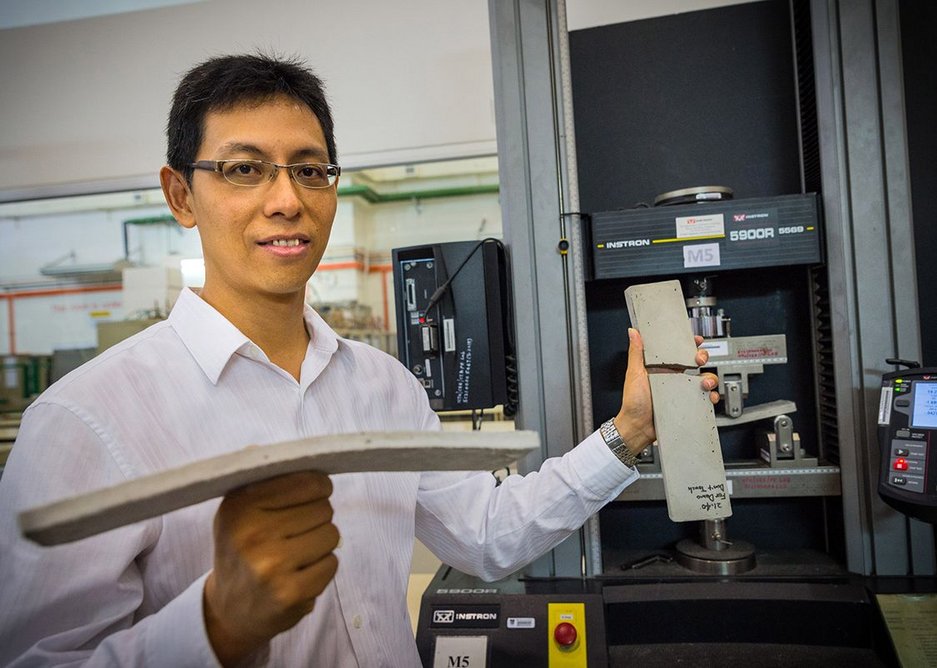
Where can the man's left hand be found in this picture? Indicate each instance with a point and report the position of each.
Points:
(635, 420)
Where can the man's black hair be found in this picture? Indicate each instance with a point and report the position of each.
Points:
(227, 81)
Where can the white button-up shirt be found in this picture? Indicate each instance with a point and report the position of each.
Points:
(194, 387)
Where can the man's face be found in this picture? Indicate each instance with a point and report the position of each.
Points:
(243, 228)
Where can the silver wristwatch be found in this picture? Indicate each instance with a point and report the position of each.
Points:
(616, 443)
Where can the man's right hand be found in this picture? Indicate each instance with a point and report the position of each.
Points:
(273, 556)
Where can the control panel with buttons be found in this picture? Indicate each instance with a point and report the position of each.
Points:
(907, 425)
(467, 623)
(566, 624)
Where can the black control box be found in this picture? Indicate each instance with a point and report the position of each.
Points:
(706, 236)
(454, 323)
(465, 622)
(907, 431)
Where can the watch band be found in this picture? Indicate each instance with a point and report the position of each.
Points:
(616, 443)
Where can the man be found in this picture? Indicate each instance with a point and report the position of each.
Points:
(252, 166)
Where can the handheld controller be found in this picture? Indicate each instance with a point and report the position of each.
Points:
(907, 432)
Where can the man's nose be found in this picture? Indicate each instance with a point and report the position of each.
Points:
(282, 197)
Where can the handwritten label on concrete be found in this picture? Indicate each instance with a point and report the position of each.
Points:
(688, 446)
(711, 497)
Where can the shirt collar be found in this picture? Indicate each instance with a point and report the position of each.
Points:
(208, 335)
(322, 338)
(212, 340)
(323, 342)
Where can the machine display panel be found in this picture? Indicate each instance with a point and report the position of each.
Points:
(924, 414)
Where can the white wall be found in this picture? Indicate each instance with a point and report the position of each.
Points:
(400, 224)
(63, 322)
(94, 237)
(85, 101)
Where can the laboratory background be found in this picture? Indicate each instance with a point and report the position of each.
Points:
(775, 157)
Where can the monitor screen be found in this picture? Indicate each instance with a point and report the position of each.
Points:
(924, 414)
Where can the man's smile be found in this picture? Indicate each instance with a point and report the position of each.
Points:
(286, 246)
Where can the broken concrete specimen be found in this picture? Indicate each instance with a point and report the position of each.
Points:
(689, 449)
(139, 499)
(658, 311)
(688, 442)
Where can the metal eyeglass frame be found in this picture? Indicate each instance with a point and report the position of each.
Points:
(332, 171)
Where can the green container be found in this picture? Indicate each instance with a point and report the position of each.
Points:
(24, 377)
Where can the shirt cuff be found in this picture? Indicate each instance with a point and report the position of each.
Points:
(599, 469)
(177, 635)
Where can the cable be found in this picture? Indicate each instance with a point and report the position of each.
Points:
(512, 392)
(510, 404)
(441, 290)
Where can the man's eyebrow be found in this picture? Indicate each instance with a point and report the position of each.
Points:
(240, 147)
(310, 154)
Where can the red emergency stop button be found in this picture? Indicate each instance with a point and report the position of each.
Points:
(565, 634)
(901, 464)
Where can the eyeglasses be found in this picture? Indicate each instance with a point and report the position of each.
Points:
(258, 172)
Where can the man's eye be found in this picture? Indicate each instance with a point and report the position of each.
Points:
(311, 172)
(244, 169)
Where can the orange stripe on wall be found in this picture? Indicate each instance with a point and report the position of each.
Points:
(52, 292)
(55, 292)
(332, 266)
(353, 264)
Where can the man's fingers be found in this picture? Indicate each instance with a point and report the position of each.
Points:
(297, 594)
(312, 546)
(298, 520)
(314, 578)
(709, 381)
(635, 351)
(702, 356)
(284, 491)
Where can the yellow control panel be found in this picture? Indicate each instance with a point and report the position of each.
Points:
(566, 635)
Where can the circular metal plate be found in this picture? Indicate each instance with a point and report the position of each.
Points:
(737, 558)
(697, 194)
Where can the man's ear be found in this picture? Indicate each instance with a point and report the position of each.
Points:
(178, 196)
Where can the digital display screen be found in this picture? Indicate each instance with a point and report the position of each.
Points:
(925, 405)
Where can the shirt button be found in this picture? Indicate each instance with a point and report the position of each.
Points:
(356, 621)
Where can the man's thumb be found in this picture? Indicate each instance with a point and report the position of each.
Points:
(635, 350)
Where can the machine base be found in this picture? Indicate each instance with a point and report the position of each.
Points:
(772, 622)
